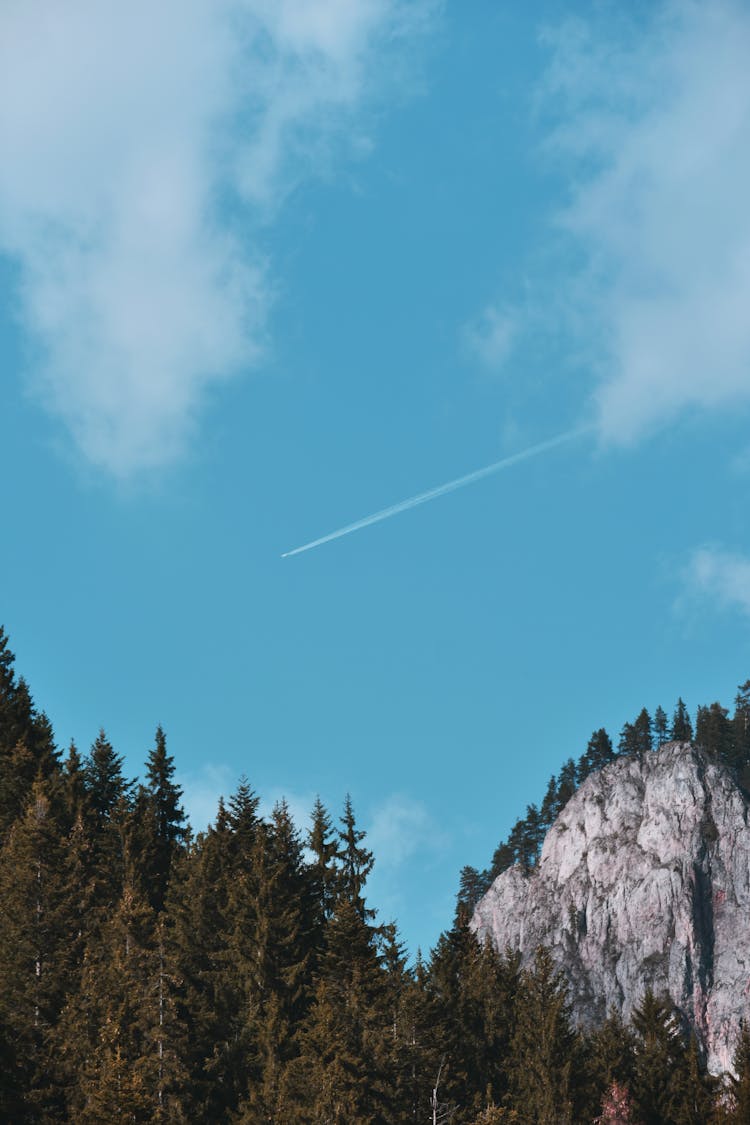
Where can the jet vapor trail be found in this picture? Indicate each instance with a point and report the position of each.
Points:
(443, 489)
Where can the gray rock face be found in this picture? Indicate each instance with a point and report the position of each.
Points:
(644, 880)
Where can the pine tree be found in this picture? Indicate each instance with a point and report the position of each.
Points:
(635, 738)
(502, 858)
(355, 861)
(35, 939)
(661, 726)
(566, 783)
(329, 1081)
(125, 1037)
(273, 963)
(13, 1080)
(626, 746)
(741, 733)
(200, 925)
(160, 822)
(223, 903)
(489, 998)
(660, 1054)
(407, 1036)
(105, 782)
(17, 773)
(693, 1090)
(682, 728)
(739, 1082)
(472, 884)
(545, 1048)
(74, 786)
(454, 1037)
(79, 873)
(27, 748)
(549, 810)
(715, 733)
(599, 753)
(611, 1053)
(342, 1073)
(244, 823)
(414, 1033)
(644, 742)
(473, 991)
(16, 707)
(107, 811)
(322, 842)
(532, 836)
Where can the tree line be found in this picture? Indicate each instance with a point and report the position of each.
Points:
(239, 975)
(725, 738)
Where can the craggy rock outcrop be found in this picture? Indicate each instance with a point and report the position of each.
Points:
(644, 880)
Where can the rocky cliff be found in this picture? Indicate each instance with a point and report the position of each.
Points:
(643, 880)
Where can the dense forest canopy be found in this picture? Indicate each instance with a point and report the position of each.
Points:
(240, 975)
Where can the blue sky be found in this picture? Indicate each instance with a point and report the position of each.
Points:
(269, 267)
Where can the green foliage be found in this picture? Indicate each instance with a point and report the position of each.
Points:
(545, 1050)
(611, 1053)
(669, 1084)
(322, 873)
(473, 991)
(740, 1081)
(661, 726)
(27, 749)
(355, 862)
(472, 884)
(598, 753)
(636, 738)
(37, 910)
(160, 822)
(682, 728)
(715, 733)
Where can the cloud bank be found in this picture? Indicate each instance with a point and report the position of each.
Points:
(653, 125)
(144, 147)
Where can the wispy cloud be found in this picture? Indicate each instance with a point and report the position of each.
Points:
(201, 790)
(719, 577)
(654, 124)
(133, 136)
(400, 830)
(490, 337)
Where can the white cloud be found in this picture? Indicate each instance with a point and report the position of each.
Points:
(491, 336)
(654, 123)
(399, 828)
(720, 577)
(201, 790)
(130, 134)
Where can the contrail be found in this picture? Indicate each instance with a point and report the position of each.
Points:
(442, 489)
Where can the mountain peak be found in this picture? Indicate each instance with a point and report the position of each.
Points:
(643, 882)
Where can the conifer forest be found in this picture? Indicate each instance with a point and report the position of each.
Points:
(241, 975)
